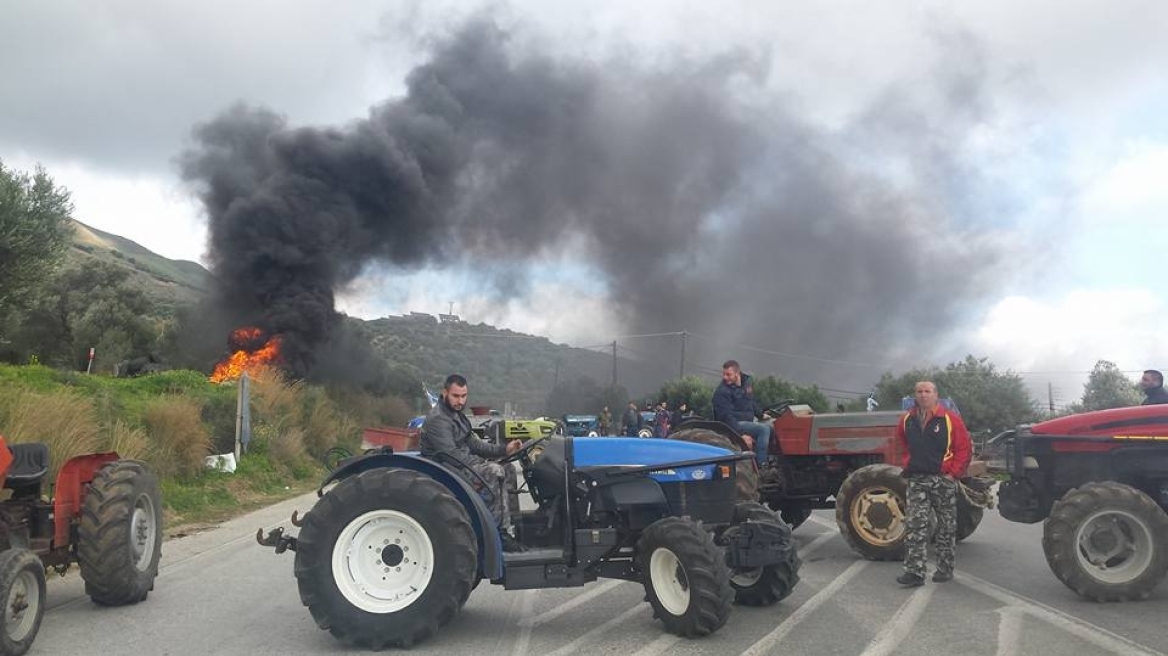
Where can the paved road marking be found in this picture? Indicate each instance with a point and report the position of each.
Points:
(1009, 631)
(549, 615)
(897, 628)
(659, 646)
(524, 639)
(574, 646)
(768, 641)
(1077, 627)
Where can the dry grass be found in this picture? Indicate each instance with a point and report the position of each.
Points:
(179, 441)
(287, 446)
(129, 442)
(63, 420)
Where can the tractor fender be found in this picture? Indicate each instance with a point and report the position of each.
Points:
(490, 545)
(69, 491)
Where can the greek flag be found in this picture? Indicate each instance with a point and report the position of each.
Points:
(430, 396)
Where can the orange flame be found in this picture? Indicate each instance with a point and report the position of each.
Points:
(250, 351)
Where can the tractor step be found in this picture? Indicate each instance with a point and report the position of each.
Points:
(534, 557)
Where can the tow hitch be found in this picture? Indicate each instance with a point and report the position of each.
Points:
(277, 539)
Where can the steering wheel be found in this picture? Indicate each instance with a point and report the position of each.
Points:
(778, 409)
(524, 451)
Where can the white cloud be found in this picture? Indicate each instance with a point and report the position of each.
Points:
(1060, 340)
(152, 210)
(566, 310)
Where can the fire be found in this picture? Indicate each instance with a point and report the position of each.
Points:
(251, 348)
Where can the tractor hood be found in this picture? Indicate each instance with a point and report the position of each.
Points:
(1140, 420)
(640, 452)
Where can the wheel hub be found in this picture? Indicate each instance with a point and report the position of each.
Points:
(1114, 546)
(392, 555)
(878, 515)
(383, 561)
(669, 580)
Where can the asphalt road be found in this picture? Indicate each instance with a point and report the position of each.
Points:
(221, 593)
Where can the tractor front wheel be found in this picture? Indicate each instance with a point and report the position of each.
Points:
(1107, 542)
(22, 591)
(385, 558)
(870, 511)
(685, 577)
(764, 586)
(120, 533)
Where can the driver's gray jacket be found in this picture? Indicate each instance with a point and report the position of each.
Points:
(448, 432)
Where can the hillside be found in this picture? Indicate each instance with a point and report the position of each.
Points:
(170, 283)
(503, 366)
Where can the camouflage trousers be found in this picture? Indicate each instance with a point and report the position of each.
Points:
(930, 496)
(495, 474)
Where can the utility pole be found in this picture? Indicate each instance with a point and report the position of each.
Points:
(614, 364)
(681, 373)
(451, 311)
(1050, 397)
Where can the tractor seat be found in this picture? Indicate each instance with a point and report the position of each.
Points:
(30, 463)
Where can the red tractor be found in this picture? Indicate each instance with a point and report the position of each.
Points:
(1099, 483)
(846, 461)
(105, 514)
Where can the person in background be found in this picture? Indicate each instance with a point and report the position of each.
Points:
(679, 415)
(661, 420)
(631, 420)
(938, 453)
(1153, 385)
(605, 420)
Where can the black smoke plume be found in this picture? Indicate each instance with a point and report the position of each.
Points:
(697, 198)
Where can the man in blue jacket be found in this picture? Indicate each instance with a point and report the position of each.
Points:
(734, 405)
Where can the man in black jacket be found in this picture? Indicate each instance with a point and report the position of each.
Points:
(631, 420)
(1153, 385)
(448, 439)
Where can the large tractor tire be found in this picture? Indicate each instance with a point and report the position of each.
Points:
(969, 517)
(764, 586)
(120, 533)
(1107, 542)
(747, 471)
(385, 558)
(870, 512)
(685, 577)
(22, 591)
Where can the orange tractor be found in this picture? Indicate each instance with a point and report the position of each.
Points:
(104, 513)
(846, 461)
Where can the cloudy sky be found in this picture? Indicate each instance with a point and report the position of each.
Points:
(823, 191)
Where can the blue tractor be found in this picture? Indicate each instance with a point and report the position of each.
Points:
(396, 542)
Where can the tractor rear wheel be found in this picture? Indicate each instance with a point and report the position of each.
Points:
(764, 586)
(120, 533)
(1107, 542)
(22, 591)
(685, 577)
(385, 558)
(746, 471)
(870, 511)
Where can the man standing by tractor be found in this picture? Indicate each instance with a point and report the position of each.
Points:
(938, 452)
(1153, 385)
(448, 439)
(631, 420)
(734, 405)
